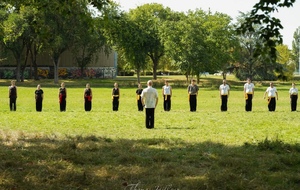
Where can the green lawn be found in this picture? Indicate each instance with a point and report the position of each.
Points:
(102, 149)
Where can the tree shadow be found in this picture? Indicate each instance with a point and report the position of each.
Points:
(44, 162)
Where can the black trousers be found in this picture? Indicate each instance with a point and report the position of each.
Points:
(39, 104)
(87, 104)
(294, 99)
(62, 105)
(115, 104)
(193, 102)
(12, 104)
(224, 100)
(248, 106)
(150, 118)
(140, 105)
(167, 102)
(272, 104)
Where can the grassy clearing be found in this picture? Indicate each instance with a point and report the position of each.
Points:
(103, 149)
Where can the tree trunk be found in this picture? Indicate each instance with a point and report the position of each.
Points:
(18, 69)
(138, 73)
(155, 64)
(56, 65)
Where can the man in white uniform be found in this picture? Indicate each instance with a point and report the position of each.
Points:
(224, 94)
(167, 94)
(249, 94)
(294, 97)
(149, 100)
(272, 94)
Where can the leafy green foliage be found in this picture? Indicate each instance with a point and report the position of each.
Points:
(268, 26)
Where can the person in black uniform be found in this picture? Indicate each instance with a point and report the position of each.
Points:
(62, 95)
(193, 93)
(115, 97)
(87, 97)
(12, 94)
(39, 96)
(138, 97)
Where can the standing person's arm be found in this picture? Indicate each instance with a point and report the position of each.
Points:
(220, 92)
(156, 99)
(253, 91)
(265, 94)
(276, 94)
(66, 92)
(42, 95)
(228, 92)
(162, 91)
(170, 91)
(91, 93)
(119, 93)
(16, 92)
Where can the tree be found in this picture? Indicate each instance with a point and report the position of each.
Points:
(198, 41)
(250, 65)
(63, 20)
(296, 48)
(287, 66)
(12, 34)
(269, 27)
(89, 41)
(127, 38)
(149, 17)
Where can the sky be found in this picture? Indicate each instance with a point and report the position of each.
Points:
(290, 17)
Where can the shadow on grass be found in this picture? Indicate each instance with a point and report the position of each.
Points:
(48, 162)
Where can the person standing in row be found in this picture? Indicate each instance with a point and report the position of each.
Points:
(294, 97)
(62, 95)
(249, 94)
(115, 97)
(39, 96)
(138, 97)
(149, 100)
(193, 93)
(224, 95)
(167, 94)
(12, 94)
(272, 94)
(87, 94)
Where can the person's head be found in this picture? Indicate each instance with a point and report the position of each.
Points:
(62, 84)
(271, 84)
(13, 82)
(248, 80)
(293, 85)
(193, 81)
(224, 81)
(87, 85)
(139, 85)
(149, 83)
(116, 85)
(166, 83)
(38, 86)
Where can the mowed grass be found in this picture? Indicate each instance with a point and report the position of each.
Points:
(102, 149)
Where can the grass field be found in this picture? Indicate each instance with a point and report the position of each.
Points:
(102, 149)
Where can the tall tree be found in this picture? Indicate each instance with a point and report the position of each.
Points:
(198, 41)
(296, 49)
(149, 18)
(127, 37)
(269, 27)
(13, 35)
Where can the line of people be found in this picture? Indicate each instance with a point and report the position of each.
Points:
(271, 94)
